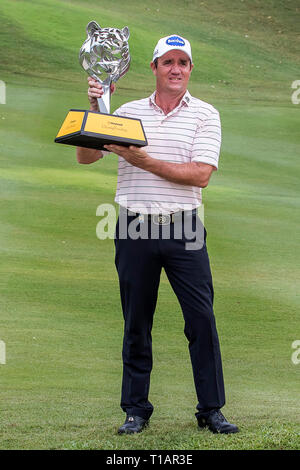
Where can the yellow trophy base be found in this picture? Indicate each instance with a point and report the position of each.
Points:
(94, 130)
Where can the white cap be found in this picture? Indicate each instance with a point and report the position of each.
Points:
(172, 42)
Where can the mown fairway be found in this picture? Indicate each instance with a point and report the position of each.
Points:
(59, 306)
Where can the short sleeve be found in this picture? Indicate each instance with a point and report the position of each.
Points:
(207, 141)
(120, 111)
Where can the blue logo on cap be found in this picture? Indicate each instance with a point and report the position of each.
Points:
(175, 41)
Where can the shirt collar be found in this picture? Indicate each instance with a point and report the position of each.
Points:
(186, 99)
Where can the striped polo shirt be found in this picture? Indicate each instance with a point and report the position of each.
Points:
(189, 133)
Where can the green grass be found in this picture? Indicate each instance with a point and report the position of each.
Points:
(59, 299)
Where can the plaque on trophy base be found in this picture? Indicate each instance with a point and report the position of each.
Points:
(94, 130)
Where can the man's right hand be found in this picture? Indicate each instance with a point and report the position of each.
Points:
(95, 91)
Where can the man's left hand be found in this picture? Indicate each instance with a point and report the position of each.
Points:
(134, 155)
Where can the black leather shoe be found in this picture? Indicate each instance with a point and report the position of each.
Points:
(216, 422)
(133, 424)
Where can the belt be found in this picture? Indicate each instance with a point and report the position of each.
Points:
(162, 219)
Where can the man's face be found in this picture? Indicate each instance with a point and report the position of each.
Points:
(173, 72)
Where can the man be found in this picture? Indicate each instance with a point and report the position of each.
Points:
(158, 184)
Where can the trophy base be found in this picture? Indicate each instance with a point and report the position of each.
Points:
(94, 130)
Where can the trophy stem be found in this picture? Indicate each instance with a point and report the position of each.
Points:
(104, 101)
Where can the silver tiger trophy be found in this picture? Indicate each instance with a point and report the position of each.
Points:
(105, 57)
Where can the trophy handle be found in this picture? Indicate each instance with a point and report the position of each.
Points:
(104, 101)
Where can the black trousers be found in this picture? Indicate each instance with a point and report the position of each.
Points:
(139, 262)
